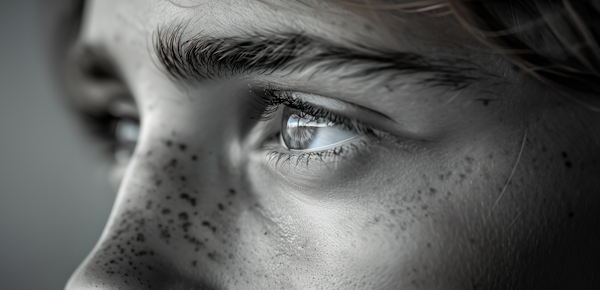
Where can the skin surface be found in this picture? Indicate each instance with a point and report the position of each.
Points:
(466, 194)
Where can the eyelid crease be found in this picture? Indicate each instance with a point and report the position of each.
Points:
(339, 106)
(348, 111)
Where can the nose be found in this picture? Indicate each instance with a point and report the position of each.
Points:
(172, 222)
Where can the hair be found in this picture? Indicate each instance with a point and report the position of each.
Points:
(556, 41)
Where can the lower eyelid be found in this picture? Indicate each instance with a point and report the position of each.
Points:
(281, 156)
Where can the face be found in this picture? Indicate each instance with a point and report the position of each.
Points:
(298, 146)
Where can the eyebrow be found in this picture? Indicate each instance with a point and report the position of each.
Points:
(202, 58)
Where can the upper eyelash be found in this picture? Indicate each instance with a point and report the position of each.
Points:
(271, 98)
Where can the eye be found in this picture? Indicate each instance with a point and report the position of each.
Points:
(126, 135)
(124, 130)
(115, 127)
(300, 131)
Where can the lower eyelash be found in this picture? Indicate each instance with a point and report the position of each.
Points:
(326, 157)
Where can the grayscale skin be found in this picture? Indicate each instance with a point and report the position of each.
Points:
(492, 188)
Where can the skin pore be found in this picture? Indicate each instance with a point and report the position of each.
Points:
(486, 186)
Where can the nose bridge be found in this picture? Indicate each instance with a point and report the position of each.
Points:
(170, 209)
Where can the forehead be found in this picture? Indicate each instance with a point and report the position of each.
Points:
(384, 29)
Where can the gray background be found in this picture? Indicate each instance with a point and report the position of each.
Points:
(54, 199)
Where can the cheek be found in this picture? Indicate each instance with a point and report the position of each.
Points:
(439, 221)
(394, 219)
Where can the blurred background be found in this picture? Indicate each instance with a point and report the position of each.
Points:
(54, 198)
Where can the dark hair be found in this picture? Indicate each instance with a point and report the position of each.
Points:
(556, 41)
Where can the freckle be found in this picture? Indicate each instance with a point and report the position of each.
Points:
(568, 164)
(232, 191)
(211, 256)
(183, 216)
(221, 207)
(194, 263)
(173, 162)
(166, 211)
(194, 157)
(168, 143)
(571, 214)
(208, 225)
(182, 147)
(432, 191)
(183, 178)
(168, 197)
(564, 154)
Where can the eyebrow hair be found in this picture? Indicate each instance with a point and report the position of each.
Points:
(202, 57)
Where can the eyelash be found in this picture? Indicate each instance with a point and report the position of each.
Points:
(269, 101)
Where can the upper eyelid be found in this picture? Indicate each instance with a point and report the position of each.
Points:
(362, 115)
(321, 101)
